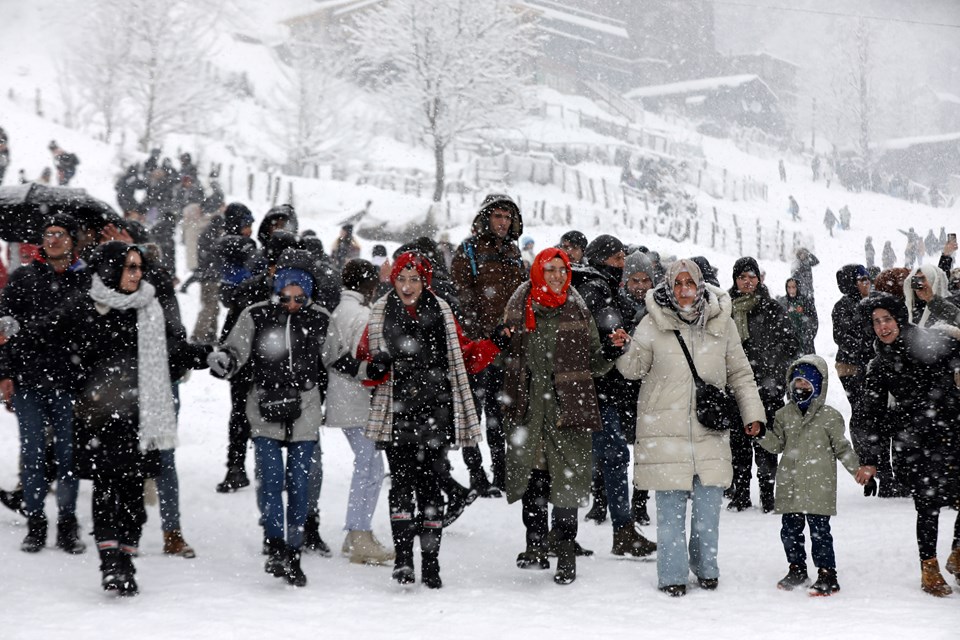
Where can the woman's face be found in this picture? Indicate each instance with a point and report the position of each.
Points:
(292, 298)
(792, 289)
(885, 326)
(132, 272)
(555, 274)
(685, 289)
(409, 285)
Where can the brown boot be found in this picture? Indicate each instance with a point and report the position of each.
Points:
(628, 541)
(175, 545)
(953, 564)
(931, 580)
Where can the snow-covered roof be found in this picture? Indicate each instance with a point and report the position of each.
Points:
(331, 7)
(943, 96)
(594, 22)
(766, 54)
(566, 34)
(895, 144)
(691, 86)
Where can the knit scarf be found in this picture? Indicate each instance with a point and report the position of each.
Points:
(158, 418)
(742, 306)
(540, 291)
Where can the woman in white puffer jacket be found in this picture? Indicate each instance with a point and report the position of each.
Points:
(674, 454)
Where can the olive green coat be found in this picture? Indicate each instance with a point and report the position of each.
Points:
(810, 445)
(568, 453)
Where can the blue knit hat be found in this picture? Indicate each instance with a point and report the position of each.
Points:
(287, 276)
(811, 374)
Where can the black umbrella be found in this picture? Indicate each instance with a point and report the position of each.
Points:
(25, 208)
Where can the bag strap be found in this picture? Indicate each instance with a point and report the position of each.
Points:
(686, 352)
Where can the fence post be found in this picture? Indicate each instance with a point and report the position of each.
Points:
(713, 234)
(569, 215)
(759, 240)
(740, 241)
(276, 190)
(269, 184)
(290, 193)
(593, 193)
(230, 180)
(606, 198)
(250, 181)
(579, 186)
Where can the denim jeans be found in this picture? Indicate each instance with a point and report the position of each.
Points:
(271, 473)
(168, 491)
(316, 481)
(36, 409)
(611, 454)
(791, 534)
(366, 482)
(673, 563)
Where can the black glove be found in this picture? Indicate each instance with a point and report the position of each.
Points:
(347, 364)
(380, 365)
(610, 351)
(870, 489)
(499, 337)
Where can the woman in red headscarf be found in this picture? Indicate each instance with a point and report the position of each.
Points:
(418, 360)
(550, 406)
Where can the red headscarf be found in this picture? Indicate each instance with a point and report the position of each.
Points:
(540, 291)
(419, 262)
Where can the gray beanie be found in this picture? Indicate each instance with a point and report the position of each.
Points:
(635, 263)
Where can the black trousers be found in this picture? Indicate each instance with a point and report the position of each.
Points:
(486, 387)
(118, 511)
(928, 524)
(745, 450)
(534, 502)
(416, 504)
(239, 424)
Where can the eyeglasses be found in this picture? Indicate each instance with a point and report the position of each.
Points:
(299, 299)
(50, 235)
(133, 266)
(558, 270)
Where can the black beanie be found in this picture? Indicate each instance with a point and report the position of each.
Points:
(575, 238)
(277, 243)
(66, 222)
(358, 272)
(235, 217)
(108, 259)
(602, 247)
(745, 264)
(896, 307)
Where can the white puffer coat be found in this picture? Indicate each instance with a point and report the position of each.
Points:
(672, 446)
(348, 401)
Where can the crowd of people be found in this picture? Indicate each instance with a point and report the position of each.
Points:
(561, 362)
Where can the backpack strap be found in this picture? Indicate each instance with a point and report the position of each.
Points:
(469, 251)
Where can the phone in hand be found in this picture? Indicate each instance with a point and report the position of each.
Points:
(951, 237)
(916, 283)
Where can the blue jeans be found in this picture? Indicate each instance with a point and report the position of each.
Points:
(791, 534)
(673, 563)
(611, 453)
(168, 491)
(315, 482)
(36, 409)
(271, 474)
(366, 481)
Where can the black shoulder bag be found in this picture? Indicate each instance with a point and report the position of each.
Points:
(716, 408)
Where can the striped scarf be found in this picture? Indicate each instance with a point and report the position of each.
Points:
(466, 422)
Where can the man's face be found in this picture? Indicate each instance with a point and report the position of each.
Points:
(57, 243)
(863, 286)
(885, 326)
(638, 284)
(500, 221)
(574, 252)
(747, 282)
(292, 298)
(616, 260)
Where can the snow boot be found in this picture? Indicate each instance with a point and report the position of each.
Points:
(68, 535)
(480, 483)
(627, 540)
(766, 497)
(175, 545)
(931, 580)
(535, 557)
(953, 564)
(235, 479)
(796, 577)
(431, 533)
(291, 568)
(364, 548)
(274, 563)
(110, 569)
(13, 500)
(36, 538)
(675, 590)
(127, 586)
(404, 530)
(826, 584)
(638, 507)
(740, 501)
(553, 543)
(708, 584)
(566, 562)
(598, 511)
(311, 537)
(458, 500)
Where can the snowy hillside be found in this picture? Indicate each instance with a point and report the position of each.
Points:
(224, 591)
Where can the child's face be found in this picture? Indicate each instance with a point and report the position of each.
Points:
(801, 383)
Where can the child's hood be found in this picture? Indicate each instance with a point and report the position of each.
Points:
(821, 366)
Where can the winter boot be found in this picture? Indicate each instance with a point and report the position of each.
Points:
(36, 537)
(404, 530)
(366, 549)
(953, 564)
(627, 540)
(553, 546)
(431, 532)
(311, 537)
(708, 584)
(566, 562)
(479, 483)
(274, 563)
(796, 577)
(598, 511)
(236, 479)
(175, 545)
(13, 500)
(110, 569)
(458, 500)
(535, 557)
(291, 568)
(931, 580)
(826, 584)
(675, 590)
(68, 535)
(766, 497)
(127, 586)
(499, 467)
(639, 507)
(740, 501)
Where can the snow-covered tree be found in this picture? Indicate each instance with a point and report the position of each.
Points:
(449, 66)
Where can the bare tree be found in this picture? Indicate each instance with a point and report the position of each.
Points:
(449, 66)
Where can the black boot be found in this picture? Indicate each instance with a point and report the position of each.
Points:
(639, 507)
(235, 479)
(553, 543)
(766, 497)
(311, 537)
(403, 532)
(566, 562)
(110, 569)
(291, 568)
(597, 512)
(479, 482)
(275, 558)
(127, 586)
(535, 556)
(36, 537)
(628, 541)
(13, 500)
(431, 532)
(826, 584)
(740, 501)
(68, 535)
(458, 499)
(796, 577)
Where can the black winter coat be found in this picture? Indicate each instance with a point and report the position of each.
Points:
(918, 371)
(854, 338)
(600, 289)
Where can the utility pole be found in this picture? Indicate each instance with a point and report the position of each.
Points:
(813, 127)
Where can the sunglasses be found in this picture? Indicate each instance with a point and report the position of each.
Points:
(300, 299)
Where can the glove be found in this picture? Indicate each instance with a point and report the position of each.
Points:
(610, 351)
(9, 326)
(220, 363)
(870, 489)
(499, 337)
(380, 365)
(347, 364)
